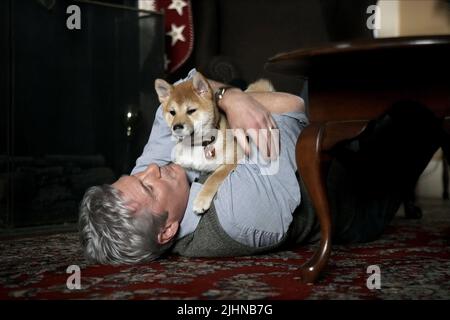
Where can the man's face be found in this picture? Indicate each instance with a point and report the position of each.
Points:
(158, 189)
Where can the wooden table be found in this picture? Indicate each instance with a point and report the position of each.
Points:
(350, 84)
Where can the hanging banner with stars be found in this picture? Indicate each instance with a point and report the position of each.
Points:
(179, 29)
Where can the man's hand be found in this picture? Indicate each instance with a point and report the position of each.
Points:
(247, 116)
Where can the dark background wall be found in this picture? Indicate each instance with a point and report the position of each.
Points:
(234, 38)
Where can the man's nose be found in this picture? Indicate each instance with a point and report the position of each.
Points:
(151, 172)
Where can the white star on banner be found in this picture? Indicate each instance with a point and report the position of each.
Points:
(176, 33)
(178, 5)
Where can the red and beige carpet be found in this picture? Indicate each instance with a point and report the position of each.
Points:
(413, 257)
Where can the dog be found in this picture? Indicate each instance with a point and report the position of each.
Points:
(200, 128)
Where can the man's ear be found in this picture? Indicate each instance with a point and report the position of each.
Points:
(168, 232)
(201, 85)
(134, 206)
(163, 89)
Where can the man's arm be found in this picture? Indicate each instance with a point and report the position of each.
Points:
(159, 146)
(253, 110)
(274, 102)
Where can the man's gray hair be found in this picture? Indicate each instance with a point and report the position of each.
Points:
(112, 233)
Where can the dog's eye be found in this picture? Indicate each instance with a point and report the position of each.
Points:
(172, 112)
(191, 111)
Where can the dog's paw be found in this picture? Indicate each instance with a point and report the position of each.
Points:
(201, 205)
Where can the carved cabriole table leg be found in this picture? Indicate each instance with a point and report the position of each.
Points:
(308, 153)
(313, 162)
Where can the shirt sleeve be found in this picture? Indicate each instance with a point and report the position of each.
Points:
(160, 144)
(256, 201)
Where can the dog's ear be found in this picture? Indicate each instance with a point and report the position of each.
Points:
(163, 89)
(201, 85)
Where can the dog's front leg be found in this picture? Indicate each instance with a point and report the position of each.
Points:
(204, 198)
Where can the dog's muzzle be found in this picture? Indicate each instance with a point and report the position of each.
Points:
(180, 131)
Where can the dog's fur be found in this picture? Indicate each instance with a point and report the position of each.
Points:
(190, 111)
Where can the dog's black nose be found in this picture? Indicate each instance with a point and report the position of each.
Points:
(178, 126)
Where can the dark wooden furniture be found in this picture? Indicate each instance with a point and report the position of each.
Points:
(350, 84)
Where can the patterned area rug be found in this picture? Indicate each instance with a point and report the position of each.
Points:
(413, 258)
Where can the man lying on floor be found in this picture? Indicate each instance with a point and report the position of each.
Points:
(141, 216)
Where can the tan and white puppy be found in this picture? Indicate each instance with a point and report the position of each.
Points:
(203, 141)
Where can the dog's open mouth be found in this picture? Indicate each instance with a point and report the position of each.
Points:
(181, 137)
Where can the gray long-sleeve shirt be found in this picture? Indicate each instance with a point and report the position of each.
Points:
(255, 202)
